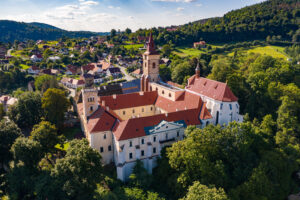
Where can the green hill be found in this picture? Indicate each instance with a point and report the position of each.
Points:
(279, 19)
(11, 30)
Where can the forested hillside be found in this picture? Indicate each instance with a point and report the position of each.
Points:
(279, 19)
(11, 30)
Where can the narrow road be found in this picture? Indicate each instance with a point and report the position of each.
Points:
(127, 76)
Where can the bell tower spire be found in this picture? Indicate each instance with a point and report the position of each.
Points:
(151, 61)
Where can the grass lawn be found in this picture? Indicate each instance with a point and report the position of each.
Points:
(185, 51)
(134, 46)
(274, 51)
(69, 133)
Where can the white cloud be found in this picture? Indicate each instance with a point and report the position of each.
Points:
(113, 7)
(180, 9)
(88, 3)
(199, 5)
(182, 1)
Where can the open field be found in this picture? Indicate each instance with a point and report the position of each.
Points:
(134, 46)
(185, 51)
(274, 51)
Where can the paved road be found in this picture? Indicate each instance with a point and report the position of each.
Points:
(127, 76)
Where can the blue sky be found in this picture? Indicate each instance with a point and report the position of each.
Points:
(103, 15)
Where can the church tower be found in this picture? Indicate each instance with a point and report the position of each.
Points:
(151, 62)
(90, 101)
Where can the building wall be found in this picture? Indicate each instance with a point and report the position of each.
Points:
(140, 111)
(151, 66)
(166, 92)
(103, 143)
(90, 101)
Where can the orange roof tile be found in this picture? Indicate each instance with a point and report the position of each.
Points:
(211, 88)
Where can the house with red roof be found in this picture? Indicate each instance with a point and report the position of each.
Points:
(34, 70)
(136, 126)
(201, 44)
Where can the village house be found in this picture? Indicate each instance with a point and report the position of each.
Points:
(36, 58)
(201, 44)
(72, 70)
(72, 83)
(7, 101)
(114, 72)
(135, 126)
(34, 70)
(64, 51)
(54, 58)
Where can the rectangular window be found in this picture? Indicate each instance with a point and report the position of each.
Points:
(154, 150)
(142, 153)
(237, 106)
(104, 137)
(221, 107)
(177, 133)
(123, 112)
(142, 109)
(166, 136)
(91, 108)
(109, 148)
(154, 139)
(101, 149)
(230, 106)
(130, 155)
(143, 141)
(130, 143)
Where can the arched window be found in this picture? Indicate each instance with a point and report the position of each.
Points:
(163, 92)
(153, 65)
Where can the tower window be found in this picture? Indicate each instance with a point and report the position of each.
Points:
(153, 65)
(130, 155)
(142, 153)
(109, 148)
(91, 108)
(101, 149)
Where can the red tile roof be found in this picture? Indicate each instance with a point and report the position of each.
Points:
(137, 72)
(134, 127)
(212, 89)
(129, 100)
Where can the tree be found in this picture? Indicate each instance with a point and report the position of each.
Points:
(45, 133)
(128, 31)
(182, 70)
(113, 33)
(79, 172)
(166, 50)
(165, 72)
(44, 82)
(140, 177)
(2, 112)
(27, 111)
(202, 192)
(9, 132)
(27, 151)
(55, 104)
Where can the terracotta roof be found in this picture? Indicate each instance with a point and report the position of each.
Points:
(212, 89)
(137, 71)
(105, 65)
(129, 100)
(185, 101)
(134, 127)
(174, 84)
(94, 123)
(88, 67)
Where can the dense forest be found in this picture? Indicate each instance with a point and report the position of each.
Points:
(11, 30)
(279, 19)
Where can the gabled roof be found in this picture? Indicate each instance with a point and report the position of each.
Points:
(211, 88)
(135, 127)
(129, 100)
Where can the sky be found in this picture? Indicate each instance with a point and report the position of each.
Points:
(104, 15)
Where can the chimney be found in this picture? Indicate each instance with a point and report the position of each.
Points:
(141, 93)
(103, 103)
(107, 108)
(114, 96)
(166, 114)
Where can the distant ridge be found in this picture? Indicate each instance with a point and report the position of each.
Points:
(12, 30)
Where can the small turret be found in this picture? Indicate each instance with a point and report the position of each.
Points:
(90, 101)
(151, 46)
(197, 70)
